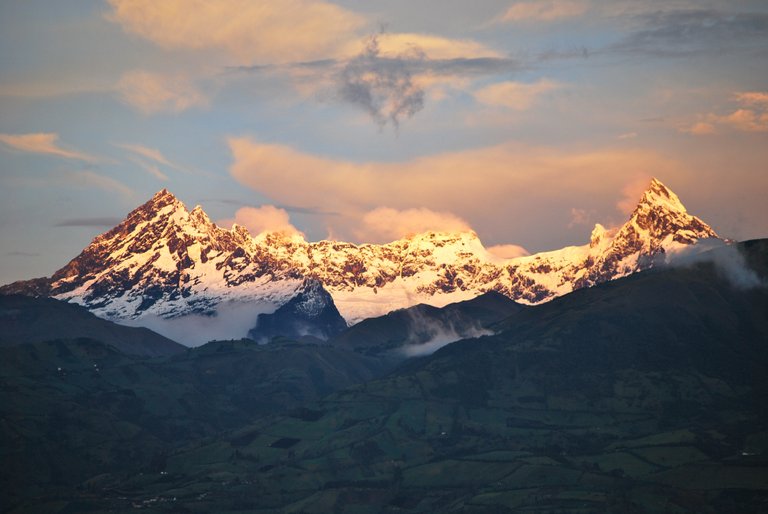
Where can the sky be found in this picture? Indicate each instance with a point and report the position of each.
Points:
(360, 120)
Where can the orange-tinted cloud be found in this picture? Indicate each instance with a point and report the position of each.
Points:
(498, 186)
(752, 98)
(250, 31)
(751, 116)
(266, 218)
(543, 11)
(508, 251)
(631, 193)
(514, 95)
(385, 224)
(152, 92)
(44, 143)
(431, 46)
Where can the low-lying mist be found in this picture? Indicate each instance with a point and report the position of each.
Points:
(427, 335)
(232, 320)
(726, 258)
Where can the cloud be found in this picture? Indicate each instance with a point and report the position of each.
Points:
(394, 45)
(384, 224)
(745, 120)
(44, 143)
(152, 154)
(151, 93)
(150, 168)
(89, 179)
(232, 320)
(632, 192)
(700, 128)
(751, 116)
(543, 11)
(514, 95)
(582, 216)
(249, 31)
(759, 98)
(149, 153)
(727, 260)
(383, 87)
(266, 218)
(508, 251)
(627, 135)
(501, 188)
(88, 222)
(669, 33)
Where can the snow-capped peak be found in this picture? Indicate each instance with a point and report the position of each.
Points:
(660, 196)
(167, 261)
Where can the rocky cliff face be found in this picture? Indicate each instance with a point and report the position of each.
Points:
(311, 313)
(167, 261)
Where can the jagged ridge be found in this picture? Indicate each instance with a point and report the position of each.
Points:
(165, 260)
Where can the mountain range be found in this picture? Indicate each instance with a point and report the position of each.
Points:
(644, 394)
(165, 261)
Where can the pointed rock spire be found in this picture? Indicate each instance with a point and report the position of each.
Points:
(660, 196)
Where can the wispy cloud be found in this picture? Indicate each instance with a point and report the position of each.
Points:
(150, 168)
(88, 222)
(149, 153)
(383, 87)
(151, 93)
(542, 11)
(142, 154)
(518, 96)
(580, 217)
(44, 143)
(669, 33)
(89, 179)
(391, 75)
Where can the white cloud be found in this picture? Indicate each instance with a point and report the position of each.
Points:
(385, 224)
(151, 92)
(44, 143)
(515, 95)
